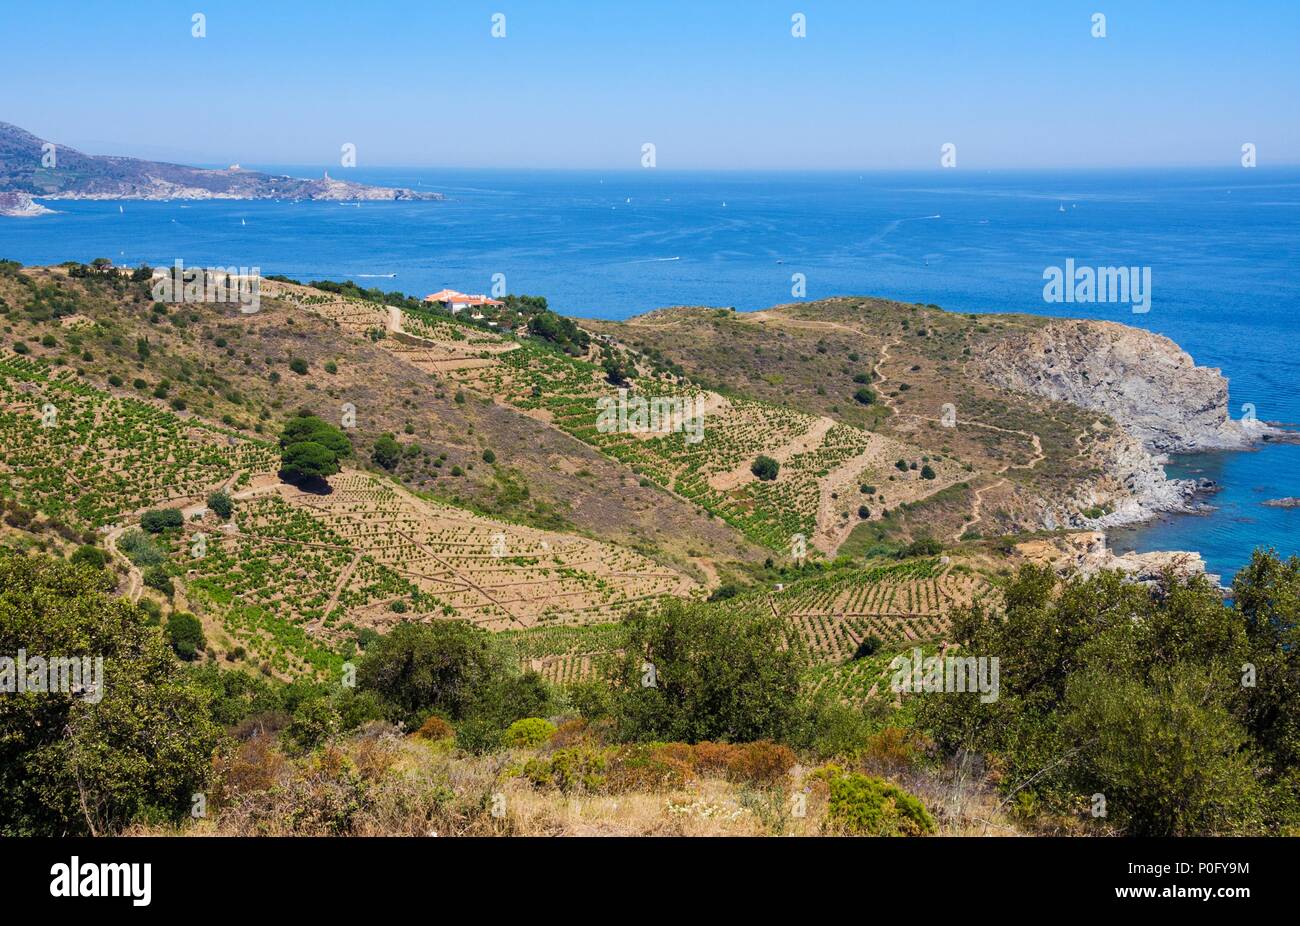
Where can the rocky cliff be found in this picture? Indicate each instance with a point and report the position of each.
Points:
(20, 205)
(1148, 384)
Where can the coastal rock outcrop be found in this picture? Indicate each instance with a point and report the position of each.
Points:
(1148, 384)
(1085, 553)
(21, 206)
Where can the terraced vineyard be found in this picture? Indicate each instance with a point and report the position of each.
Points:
(822, 462)
(496, 574)
(431, 343)
(902, 604)
(820, 459)
(88, 457)
(296, 567)
(898, 604)
(295, 573)
(859, 680)
(564, 655)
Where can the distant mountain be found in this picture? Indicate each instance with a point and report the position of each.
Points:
(74, 175)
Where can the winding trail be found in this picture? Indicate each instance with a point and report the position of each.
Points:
(878, 379)
(134, 577)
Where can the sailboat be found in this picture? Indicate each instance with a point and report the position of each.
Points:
(120, 209)
(243, 222)
(1061, 208)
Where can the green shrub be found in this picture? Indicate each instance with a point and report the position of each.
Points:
(1107, 687)
(89, 556)
(579, 768)
(156, 577)
(765, 468)
(185, 634)
(71, 767)
(530, 731)
(159, 520)
(868, 647)
(713, 676)
(140, 549)
(861, 805)
(314, 721)
(221, 505)
(387, 451)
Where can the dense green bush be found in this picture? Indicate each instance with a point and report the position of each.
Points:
(387, 451)
(221, 505)
(689, 673)
(137, 747)
(90, 556)
(156, 577)
(140, 549)
(530, 731)
(1180, 710)
(457, 671)
(186, 634)
(159, 520)
(861, 805)
(765, 468)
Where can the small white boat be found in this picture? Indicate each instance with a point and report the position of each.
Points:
(120, 209)
(1061, 208)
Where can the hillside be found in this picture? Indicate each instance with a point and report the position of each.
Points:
(26, 168)
(703, 569)
(1035, 458)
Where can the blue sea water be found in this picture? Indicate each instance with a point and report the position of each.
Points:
(1222, 246)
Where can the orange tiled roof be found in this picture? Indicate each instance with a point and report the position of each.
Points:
(446, 295)
(451, 295)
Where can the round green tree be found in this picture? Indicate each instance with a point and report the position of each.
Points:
(311, 448)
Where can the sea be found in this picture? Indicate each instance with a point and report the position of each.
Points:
(1222, 246)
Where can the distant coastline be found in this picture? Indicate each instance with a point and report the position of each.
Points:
(33, 168)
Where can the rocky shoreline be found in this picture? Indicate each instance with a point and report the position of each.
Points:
(1085, 553)
(1162, 403)
(21, 206)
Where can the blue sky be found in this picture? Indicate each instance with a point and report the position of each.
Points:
(714, 85)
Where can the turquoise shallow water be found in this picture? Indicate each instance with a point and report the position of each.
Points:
(1221, 244)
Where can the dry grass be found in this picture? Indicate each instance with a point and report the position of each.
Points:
(380, 783)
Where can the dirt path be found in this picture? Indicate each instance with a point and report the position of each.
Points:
(344, 579)
(977, 502)
(134, 578)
